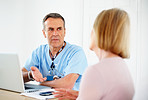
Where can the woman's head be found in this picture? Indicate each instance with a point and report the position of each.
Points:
(111, 29)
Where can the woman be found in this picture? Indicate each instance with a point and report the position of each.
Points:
(109, 79)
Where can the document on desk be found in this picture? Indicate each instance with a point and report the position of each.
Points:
(38, 94)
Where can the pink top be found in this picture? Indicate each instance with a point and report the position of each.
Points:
(107, 80)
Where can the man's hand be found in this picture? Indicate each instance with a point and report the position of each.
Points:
(37, 75)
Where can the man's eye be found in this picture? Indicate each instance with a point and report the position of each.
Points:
(59, 29)
(50, 29)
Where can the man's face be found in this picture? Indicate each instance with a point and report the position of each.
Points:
(54, 31)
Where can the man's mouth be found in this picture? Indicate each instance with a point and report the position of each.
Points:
(55, 39)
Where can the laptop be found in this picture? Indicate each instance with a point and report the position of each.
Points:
(11, 75)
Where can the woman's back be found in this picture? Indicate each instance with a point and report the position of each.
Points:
(107, 80)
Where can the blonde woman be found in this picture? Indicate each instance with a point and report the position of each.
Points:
(110, 78)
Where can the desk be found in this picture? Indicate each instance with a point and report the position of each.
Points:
(8, 95)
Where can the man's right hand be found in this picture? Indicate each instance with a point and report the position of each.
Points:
(37, 75)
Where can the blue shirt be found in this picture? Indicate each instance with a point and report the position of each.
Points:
(71, 59)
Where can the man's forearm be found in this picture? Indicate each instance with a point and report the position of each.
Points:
(59, 83)
(66, 82)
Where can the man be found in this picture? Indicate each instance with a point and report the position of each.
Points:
(57, 59)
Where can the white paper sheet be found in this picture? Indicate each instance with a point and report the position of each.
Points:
(37, 96)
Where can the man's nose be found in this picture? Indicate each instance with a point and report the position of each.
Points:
(55, 32)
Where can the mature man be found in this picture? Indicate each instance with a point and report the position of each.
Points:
(61, 63)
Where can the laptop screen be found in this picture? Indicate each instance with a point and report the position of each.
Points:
(10, 73)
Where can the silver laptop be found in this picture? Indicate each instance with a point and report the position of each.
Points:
(11, 75)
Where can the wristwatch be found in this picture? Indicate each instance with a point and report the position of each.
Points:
(29, 76)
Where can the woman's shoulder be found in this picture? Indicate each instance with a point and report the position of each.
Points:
(93, 68)
(114, 61)
(106, 65)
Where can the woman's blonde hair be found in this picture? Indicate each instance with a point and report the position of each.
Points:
(112, 31)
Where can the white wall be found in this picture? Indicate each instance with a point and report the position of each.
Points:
(11, 25)
(21, 29)
(142, 71)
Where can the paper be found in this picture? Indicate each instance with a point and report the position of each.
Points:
(37, 96)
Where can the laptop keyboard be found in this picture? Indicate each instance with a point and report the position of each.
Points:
(28, 87)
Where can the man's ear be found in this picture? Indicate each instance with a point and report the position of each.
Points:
(44, 33)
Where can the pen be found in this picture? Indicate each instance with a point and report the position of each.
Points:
(46, 93)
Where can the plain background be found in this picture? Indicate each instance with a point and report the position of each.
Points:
(21, 30)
